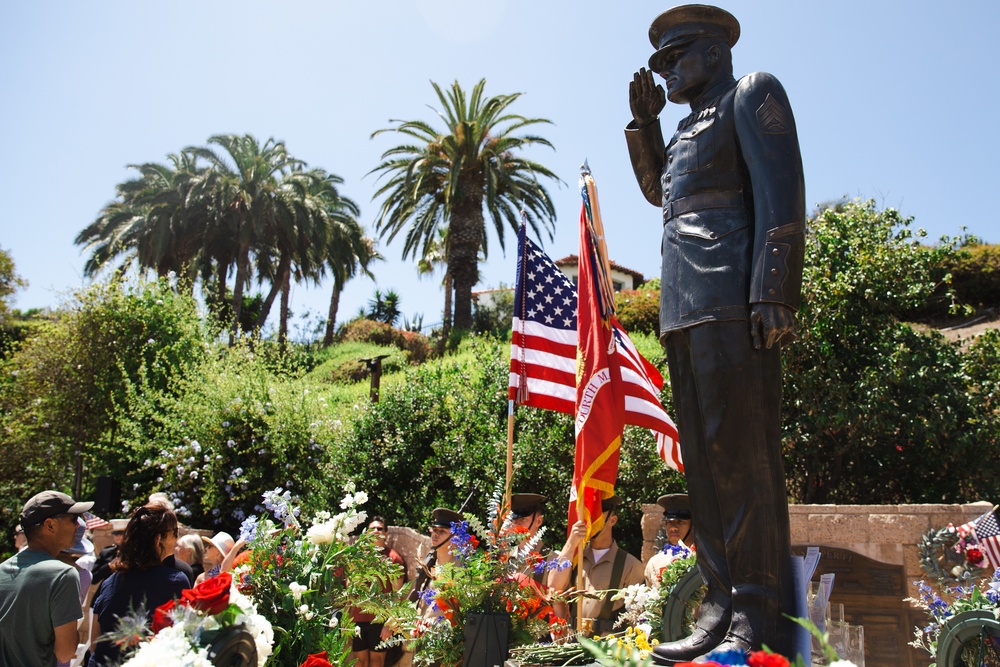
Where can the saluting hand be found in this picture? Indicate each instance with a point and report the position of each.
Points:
(645, 97)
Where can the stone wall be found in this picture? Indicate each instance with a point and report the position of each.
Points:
(885, 533)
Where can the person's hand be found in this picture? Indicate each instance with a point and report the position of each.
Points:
(386, 632)
(577, 534)
(771, 323)
(645, 97)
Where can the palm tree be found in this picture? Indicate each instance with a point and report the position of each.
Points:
(244, 187)
(449, 179)
(153, 220)
(348, 255)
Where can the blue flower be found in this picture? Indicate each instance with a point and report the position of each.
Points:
(676, 550)
(248, 529)
(730, 657)
(278, 502)
(463, 544)
(427, 597)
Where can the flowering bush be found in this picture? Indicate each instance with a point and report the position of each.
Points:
(184, 629)
(495, 579)
(302, 578)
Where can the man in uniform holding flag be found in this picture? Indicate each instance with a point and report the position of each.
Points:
(731, 189)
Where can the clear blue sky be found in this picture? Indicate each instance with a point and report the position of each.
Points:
(894, 100)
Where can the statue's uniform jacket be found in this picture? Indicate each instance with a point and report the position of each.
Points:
(731, 187)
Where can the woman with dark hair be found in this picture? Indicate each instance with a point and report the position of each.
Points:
(139, 578)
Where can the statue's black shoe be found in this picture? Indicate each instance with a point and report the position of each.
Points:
(683, 650)
(731, 642)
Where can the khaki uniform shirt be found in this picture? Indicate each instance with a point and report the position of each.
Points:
(598, 577)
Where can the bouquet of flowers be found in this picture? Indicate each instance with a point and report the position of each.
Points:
(491, 574)
(185, 628)
(302, 575)
(965, 597)
(644, 605)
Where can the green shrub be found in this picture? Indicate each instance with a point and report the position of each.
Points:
(639, 310)
(370, 331)
(69, 388)
(413, 343)
(438, 438)
(872, 405)
(234, 429)
(975, 275)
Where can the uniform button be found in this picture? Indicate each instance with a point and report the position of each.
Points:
(711, 235)
(774, 272)
(670, 158)
(771, 292)
(667, 178)
(775, 251)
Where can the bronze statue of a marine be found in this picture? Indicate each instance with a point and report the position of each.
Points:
(730, 186)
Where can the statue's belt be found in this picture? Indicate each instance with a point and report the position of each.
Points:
(702, 201)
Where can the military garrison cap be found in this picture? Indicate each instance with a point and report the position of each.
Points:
(688, 22)
(526, 504)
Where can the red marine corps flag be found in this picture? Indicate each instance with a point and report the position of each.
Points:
(600, 391)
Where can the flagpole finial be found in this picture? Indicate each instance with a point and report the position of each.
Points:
(585, 168)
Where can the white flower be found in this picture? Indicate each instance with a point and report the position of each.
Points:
(334, 622)
(842, 663)
(322, 533)
(347, 501)
(305, 612)
(297, 590)
(360, 498)
(357, 630)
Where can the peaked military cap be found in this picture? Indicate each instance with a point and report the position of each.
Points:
(686, 23)
(445, 517)
(526, 504)
(675, 506)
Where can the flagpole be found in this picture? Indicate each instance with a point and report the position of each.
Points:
(510, 453)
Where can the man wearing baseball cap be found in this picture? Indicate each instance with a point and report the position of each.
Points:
(39, 594)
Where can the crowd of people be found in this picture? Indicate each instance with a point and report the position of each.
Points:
(59, 597)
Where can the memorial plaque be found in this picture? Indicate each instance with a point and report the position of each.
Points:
(872, 594)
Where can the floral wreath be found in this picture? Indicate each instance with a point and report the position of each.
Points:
(950, 554)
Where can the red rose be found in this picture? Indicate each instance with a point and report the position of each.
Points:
(161, 616)
(974, 556)
(316, 660)
(765, 659)
(210, 596)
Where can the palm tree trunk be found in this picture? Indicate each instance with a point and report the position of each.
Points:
(464, 237)
(242, 263)
(449, 290)
(283, 316)
(331, 319)
(280, 278)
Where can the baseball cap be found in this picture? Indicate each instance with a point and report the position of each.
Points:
(48, 504)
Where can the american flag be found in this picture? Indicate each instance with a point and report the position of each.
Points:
(986, 530)
(94, 522)
(543, 352)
